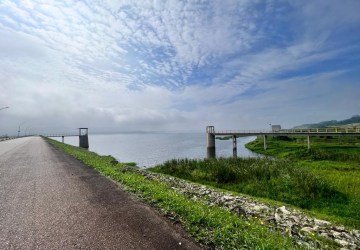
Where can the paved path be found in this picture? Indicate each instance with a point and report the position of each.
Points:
(48, 200)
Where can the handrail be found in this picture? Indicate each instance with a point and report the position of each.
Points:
(290, 131)
(59, 135)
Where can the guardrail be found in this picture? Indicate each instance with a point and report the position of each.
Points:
(290, 131)
(60, 135)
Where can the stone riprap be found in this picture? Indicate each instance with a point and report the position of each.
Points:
(290, 221)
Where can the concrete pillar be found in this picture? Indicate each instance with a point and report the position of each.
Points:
(308, 142)
(210, 142)
(234, 146)
(265, 146)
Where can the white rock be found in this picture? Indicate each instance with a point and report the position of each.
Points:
(307, 229)
(260, 207)
(277, 217)
(335, 234)
(343, 234)
(284, 210)
(356, 233)
(321, 222)
(325, 235)
(228, 197)
(342, 242)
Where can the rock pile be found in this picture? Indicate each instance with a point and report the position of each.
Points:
(290, 221)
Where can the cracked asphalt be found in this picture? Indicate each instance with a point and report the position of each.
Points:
(49, 200)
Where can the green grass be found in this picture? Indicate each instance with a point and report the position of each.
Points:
(325, 181)
(269, 178)
(335, 160)
(211, 226)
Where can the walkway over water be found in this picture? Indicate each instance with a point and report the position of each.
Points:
(311, 131)
(83, 136)
(211, 133)
(59, 135)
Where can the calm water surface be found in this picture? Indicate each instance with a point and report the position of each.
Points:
(149, 149)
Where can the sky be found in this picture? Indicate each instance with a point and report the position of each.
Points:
(117, 66)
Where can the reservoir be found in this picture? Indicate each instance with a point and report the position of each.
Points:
(150, 149)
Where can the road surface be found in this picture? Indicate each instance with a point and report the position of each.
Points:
(49, 200)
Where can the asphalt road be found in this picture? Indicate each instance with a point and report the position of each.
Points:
(49, 200)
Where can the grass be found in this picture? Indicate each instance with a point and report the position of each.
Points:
(211, 226)
(335, 160)
(269, 178)
(325, 181)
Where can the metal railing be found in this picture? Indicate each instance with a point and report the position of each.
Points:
(349, 130)
(59, 135)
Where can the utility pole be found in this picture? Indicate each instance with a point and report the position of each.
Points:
(19, 128)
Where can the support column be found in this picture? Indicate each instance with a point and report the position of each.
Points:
(308, 142)
(234, 146)
(265, 146)
(210, 142)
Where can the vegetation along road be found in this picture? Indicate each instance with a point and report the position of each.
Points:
(49, 200)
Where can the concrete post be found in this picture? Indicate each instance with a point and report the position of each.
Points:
(210, 142)
(234, 146)
(265, 146)
(308, 142)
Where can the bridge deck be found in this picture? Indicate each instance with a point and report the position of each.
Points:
(286, 132)
(59, 135)
(211, 133)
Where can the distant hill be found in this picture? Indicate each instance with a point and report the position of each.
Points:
(353, 121)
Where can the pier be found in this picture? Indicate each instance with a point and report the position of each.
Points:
(211, 134)
(83, 136)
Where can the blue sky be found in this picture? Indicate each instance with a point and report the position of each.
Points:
(177, 65)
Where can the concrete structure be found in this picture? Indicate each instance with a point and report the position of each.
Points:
(83, 137)
(234, 146)
(211, 133)
(275, 128)
(210, 142)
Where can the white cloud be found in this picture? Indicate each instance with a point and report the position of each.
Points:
(173, 64)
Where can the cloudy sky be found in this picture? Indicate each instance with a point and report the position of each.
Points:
(114, 65)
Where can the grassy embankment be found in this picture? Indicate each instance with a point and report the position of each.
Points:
(336, 160)
(211, 226)
(325, 180)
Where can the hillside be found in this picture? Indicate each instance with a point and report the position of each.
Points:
(353, 121)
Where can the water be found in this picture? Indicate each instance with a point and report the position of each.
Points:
(150, 149)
